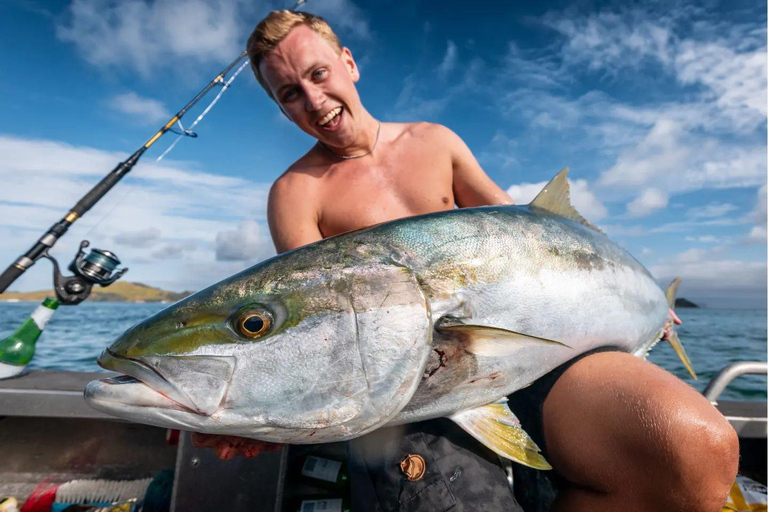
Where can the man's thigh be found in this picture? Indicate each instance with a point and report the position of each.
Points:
(613, 421)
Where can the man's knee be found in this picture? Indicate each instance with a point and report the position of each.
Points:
(702, 464)
(640, 432)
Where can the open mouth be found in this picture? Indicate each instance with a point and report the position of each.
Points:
(332, 119)
(196, 384)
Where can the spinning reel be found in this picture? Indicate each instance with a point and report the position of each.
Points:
(96, 267)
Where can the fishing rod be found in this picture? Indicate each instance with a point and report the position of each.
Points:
(49, 239)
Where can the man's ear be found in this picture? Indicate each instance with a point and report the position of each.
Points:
(350, 64)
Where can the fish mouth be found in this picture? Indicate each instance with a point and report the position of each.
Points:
(196, 384)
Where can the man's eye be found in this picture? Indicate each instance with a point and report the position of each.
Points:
(289, 95)
(320, 73)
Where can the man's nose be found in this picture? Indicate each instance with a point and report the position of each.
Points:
(315, 97)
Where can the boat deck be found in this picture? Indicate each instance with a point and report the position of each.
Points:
(49, 431)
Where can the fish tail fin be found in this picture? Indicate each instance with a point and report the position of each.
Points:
(672, 292)
(495, 426)
(671, 335)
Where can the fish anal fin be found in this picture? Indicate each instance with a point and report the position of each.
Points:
(555, 198)
(483, 340)
(496, 427)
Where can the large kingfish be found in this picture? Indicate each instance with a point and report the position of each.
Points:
(442, 314)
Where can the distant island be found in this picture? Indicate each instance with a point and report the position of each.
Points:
(122, 291)
(684, 303)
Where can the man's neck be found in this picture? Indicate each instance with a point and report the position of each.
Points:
(367, 139)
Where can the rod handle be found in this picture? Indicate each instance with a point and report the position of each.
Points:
(9, 276)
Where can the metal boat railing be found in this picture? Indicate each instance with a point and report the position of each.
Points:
(717, 385)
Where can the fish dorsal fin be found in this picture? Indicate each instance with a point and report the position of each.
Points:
(555, 198)
(490, 341)
(495, 426)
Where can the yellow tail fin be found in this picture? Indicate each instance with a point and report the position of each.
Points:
(672, 338)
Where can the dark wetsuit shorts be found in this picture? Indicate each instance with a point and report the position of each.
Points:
(460, 474)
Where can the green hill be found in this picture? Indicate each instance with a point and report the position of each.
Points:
(122, 291)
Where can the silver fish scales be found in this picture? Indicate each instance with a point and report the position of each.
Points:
(438, 315)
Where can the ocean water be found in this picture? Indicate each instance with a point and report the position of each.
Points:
(713, 338)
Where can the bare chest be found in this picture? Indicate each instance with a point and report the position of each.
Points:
(361, 194)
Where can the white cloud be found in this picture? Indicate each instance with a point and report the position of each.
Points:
(757, 235)
(582, 198)
(142, 238)
(411, 106)
(706, 239)
(609, 40)
(170, 208)
(449, 60)
(711, 210)
(146, 35)
(671, 157)
(716, 70)
(146, 110)
(501, 152)
(246, 243)
(727, 62)
(648, 202)
(710, 272)
(761, 211)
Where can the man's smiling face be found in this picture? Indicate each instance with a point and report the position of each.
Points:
(315, 86)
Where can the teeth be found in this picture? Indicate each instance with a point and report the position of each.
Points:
(330, 115)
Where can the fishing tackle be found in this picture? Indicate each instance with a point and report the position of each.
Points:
(47, 241)
(96, 267)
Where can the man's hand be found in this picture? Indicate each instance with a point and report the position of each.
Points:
(228, 447)
(672, 320)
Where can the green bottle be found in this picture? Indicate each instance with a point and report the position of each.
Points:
(16, 350)
(327, 473)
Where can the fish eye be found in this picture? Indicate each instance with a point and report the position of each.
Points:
(254, 322)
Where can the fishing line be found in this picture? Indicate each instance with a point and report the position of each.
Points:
(189, 132)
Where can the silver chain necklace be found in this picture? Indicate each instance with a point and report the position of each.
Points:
(352, 157)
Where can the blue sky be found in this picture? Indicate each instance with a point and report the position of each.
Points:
(659, 109)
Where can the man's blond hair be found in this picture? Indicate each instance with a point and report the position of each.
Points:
(274, 28)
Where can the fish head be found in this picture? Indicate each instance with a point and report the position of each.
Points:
(310, 346)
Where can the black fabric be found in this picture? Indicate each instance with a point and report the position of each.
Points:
(461, 474)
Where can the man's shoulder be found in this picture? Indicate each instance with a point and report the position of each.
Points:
(422, 130)
(298, 180)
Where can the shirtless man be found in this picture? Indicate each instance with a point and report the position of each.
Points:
(621, 433)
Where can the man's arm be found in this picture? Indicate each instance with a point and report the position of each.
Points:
(292, 213)
(471, 186)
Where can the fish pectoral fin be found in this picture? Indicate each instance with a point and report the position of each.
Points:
(495, 426)
(555, 198)
(483, 340)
